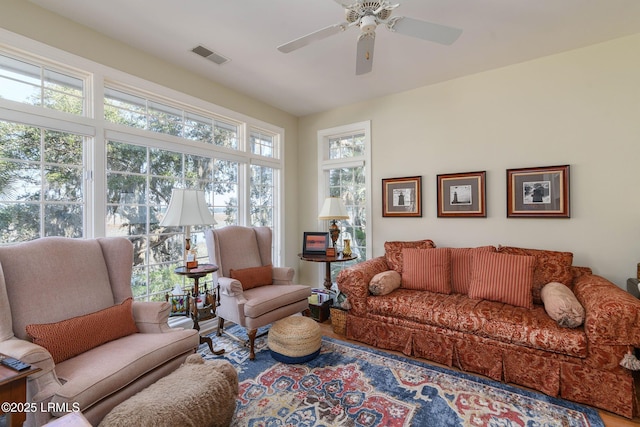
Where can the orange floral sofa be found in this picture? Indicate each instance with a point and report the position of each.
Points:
(505, 342)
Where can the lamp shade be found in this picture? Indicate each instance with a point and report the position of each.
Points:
(187, 207)
(333, 208)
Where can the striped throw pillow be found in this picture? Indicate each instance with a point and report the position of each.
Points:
(393, 251)
(427, 269)
(503, 278)
(462, 267)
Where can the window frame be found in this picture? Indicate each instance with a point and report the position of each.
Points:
(325, 163)
(97, 130)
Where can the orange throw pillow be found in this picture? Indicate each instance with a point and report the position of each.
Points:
(503, 278)
(551, 266)
(462, 267)
(427, 270)
(253, 277)
(68, 338)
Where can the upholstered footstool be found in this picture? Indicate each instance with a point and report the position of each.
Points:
(198, 393)
(294, 339)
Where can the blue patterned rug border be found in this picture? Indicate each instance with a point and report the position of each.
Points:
(591, 413)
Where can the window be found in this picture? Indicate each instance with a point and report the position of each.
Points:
(40, 85)
(112, 175)
(262, 145)
(139, 182)
(41, 183)
(344, 155)
(263, 190)
(143, 112)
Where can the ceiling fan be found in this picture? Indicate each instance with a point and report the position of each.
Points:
(367, 15)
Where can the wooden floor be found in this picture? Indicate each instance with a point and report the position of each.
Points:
(610, 420)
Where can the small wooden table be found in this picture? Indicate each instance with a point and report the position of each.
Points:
(196, 273)
(328, 284)
(13, 390)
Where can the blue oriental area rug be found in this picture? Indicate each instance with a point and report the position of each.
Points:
(350, 385)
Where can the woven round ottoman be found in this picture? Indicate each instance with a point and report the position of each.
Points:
(294, 339)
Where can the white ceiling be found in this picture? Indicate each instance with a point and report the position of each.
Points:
(321, 76)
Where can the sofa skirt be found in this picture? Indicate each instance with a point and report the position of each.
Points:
(557, 375)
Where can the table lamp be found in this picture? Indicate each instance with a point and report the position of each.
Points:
(186, 208)
(333, 209)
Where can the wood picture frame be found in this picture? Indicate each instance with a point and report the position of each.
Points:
(315, 242)
(462, 195)
(540, 192)
(402, 197)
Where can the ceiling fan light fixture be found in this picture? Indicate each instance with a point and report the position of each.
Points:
(368, 24)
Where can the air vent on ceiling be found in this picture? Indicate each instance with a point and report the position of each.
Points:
(210, 55)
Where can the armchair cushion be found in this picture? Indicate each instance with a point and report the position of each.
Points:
(254, 276)
(68, 338)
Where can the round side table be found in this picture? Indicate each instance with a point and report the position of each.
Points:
(328, 284)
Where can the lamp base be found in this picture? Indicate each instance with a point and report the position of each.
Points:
(334, 231)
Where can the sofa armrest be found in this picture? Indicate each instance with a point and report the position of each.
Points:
(354, 282)
(283, 275)
(152, 317)
(612, 315)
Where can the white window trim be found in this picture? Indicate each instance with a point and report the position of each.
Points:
(324, 164)
(94, 125)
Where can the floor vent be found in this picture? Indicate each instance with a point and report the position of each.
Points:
(210, 55)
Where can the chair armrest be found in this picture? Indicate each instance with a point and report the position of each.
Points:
(230, 287)
(612, 315)
(283, 275)
(44, 383)
(152, 317)
(354, 282)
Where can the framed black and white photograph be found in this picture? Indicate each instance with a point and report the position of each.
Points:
(402, 197)
(462, 195)
(539, 192)
(315, 242)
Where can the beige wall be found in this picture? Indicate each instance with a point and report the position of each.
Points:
(24, 18)
(580, 108)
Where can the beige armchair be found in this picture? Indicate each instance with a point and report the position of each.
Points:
(79, 292)
(251, 299)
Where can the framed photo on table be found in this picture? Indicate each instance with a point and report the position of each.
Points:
(402, 197)
(315, 242)
(541, 192)
(462, 195)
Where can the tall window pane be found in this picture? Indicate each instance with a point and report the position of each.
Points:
(262, 195)
(349, 184)
(225, 190)
(41, 183)
(139, 181)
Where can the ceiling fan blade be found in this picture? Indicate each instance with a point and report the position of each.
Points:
(364, 59)
(429, 31)
(315, 36)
